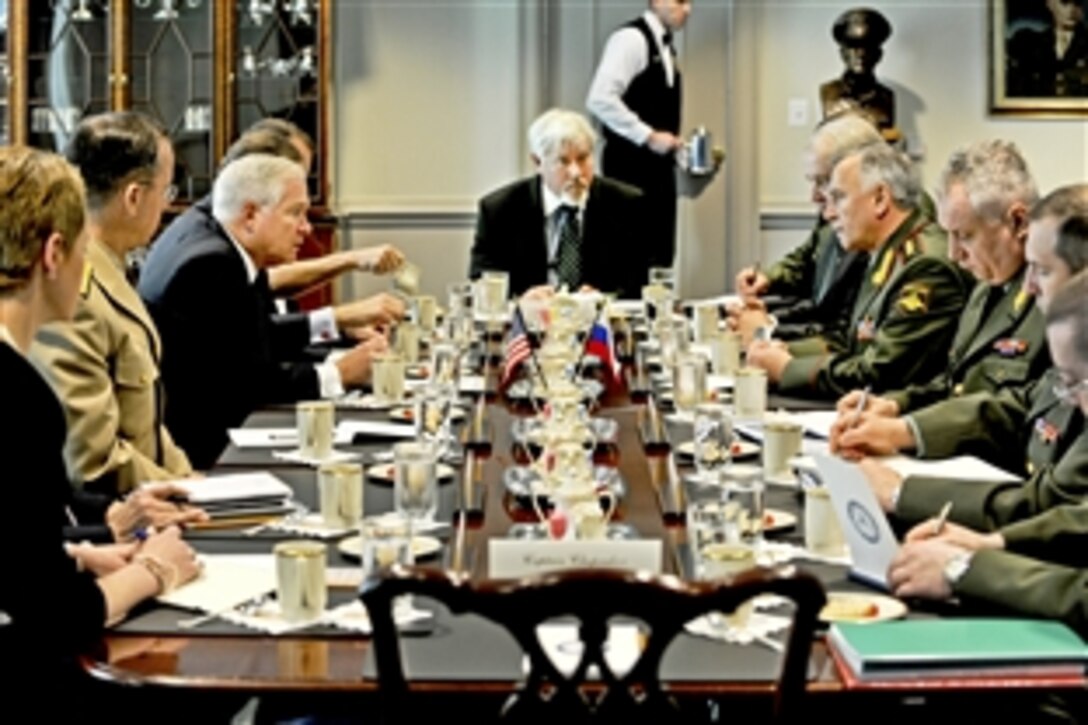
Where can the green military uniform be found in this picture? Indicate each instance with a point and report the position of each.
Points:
(1041, 571)
(1000, 342)
(104, 366)
(901, 323)
(987, 506)
(1021, 429)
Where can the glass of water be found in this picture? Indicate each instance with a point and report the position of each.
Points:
(712, 440)
(433, 418)
(446, 368)
(415, 481)
(743, 505)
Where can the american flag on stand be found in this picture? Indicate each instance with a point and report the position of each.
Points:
(517, 350)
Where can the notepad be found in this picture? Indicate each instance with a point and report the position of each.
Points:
(258, 485)
(958, 647)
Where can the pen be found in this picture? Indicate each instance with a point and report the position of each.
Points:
(942, 517)
(862, 402)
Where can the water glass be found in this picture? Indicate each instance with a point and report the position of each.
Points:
(750, 393)
(340, 494)
(433, 418)
(425, 311)
(415, 480)
(689, 381)
(781, 442)
(446, 368)
(491, 292)
(383, 547)
(664, 277)
(300, 579)
(409, 337)
(712, 440)
(460, 296)
(743, 507)
(725, 350)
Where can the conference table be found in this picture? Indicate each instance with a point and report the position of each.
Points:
(316, 669)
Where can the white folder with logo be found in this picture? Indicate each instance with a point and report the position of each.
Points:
(868, 535)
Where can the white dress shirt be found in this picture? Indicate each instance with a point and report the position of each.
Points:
(322, 329)
(552, 204)
(625, 56)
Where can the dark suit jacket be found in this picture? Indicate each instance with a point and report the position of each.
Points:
(223, 354)
(510, 237)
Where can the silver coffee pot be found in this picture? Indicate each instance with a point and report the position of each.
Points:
(699, 149)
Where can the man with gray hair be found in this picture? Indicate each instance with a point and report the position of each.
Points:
(223, 356)
(911, 295)
(563, 226)
(816, 283)
(985, 197)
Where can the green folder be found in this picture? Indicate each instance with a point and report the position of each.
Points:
(958, 647)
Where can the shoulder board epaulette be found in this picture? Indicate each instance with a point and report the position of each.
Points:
(88, 277)
(880, 276)
(1021, 299)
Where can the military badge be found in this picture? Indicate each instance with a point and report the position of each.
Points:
(1011, 347)
(1047, 431)
(866, 330)
(914, 299)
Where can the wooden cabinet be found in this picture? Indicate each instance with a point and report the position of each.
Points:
(205, 69)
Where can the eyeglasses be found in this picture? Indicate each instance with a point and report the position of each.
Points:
(1066, 390)
(168, 194)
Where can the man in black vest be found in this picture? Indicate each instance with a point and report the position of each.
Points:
(635, 95)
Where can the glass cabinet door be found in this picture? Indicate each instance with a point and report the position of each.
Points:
(5, 71)
(277, 70)
(170, 78)
(68, 67)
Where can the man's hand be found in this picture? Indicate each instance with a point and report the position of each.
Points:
(918, 569)
(883, 480)
(366, 332)
(853, 437)
(380, 260)
(380, 309)
(770, 356)
(956, 535)
(873, 404)
(540, 292)
(355, 366)
(156, 505)
(663, 142)
(747, 320)
(103, 559)
(751, 283)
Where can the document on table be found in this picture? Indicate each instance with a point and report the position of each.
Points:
(234, 487)
(959, 468)
(225, 581)
(276, 437)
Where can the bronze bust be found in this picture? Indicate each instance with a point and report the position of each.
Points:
(860, 34)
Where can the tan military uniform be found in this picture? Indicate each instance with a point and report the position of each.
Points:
(104, 366)
(1000, 342)
(902, 322)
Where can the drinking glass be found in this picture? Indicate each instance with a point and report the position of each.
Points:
(446, 368)
(300, 579)
(689, 381)
(415, 481)
(382, 548)
(712, 440)
(742, 505)
(433, 418)
(665, 277)
(491, 292)
(387, 378)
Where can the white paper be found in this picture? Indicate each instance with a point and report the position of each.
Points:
(563, 646)
(961, 468)
(868, 535)
(473, 384)
(235, 486)
(273, 437)
(348, 429)
(225, 581)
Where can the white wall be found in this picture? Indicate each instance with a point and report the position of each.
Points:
(433, 97)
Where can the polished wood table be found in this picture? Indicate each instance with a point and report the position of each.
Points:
(330, 668)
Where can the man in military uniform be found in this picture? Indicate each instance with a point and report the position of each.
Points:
(818, 280)
(998, 427)
(1060, 481)
(104, 364)
(911, 294)
(1033, 567)
(987, 193)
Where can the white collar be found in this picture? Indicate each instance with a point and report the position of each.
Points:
(251, 267)
(5, 336)
(553, 201)
(656, 26)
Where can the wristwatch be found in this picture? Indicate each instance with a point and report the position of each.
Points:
(956, 567)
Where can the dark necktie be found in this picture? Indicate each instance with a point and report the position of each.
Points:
(666, 42)
(568, 265)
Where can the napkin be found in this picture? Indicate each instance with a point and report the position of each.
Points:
(311, 525)
(351, 616)
(296, 456)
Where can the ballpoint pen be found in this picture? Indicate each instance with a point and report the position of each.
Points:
(942, 518)
(862, 402)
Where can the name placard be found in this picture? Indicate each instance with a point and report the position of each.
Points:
(514, 558)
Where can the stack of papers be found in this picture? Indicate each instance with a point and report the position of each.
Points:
(238, 494)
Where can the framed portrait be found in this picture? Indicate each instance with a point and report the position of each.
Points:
(1039, 57)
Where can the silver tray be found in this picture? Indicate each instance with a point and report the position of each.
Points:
(540, 531)
(523, 430)
(519, 481)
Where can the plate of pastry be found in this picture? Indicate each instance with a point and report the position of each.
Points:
(861, 607)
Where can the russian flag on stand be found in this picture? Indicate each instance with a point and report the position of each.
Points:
(600, 345)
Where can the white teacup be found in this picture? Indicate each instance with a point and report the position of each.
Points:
(340, 494)
(823, 535)
(426, 308)
(409, 336)
(781, 442)
(706, 317)
(725, 352)
(750, 393)
(388, 377)
(315, 421)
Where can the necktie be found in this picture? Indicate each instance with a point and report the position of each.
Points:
(666, 40)
(569, 255)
